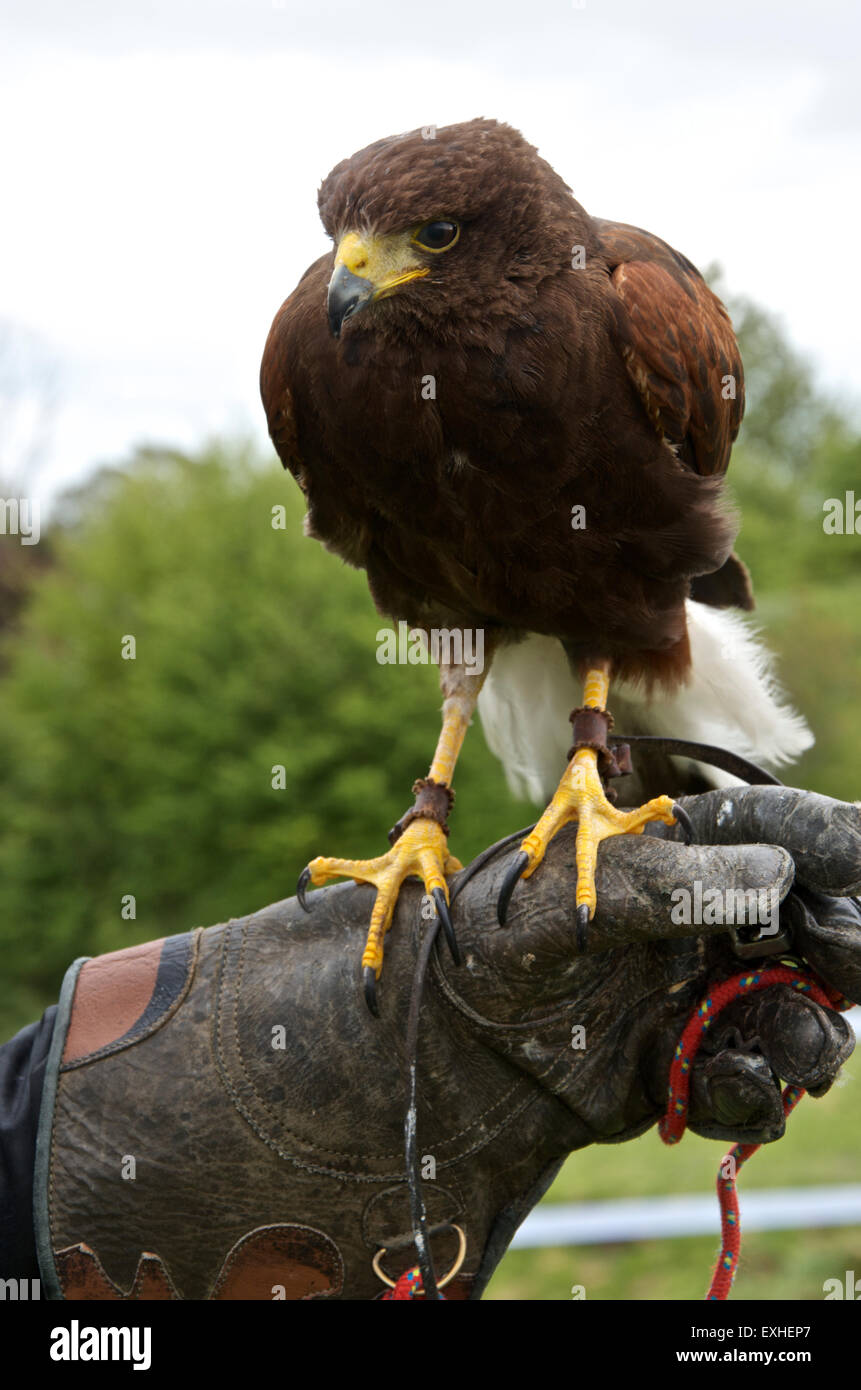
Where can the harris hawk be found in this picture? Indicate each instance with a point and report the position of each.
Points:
(516, 418)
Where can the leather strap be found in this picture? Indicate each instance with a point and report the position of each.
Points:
(703, 753)
(434, 801)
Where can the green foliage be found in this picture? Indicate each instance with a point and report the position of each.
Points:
(153, 777)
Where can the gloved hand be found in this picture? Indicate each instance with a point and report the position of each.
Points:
(645, 969)
(263, 1103)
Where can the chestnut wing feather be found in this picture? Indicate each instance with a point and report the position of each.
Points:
(278, 398)
(678, 344)
(281, 357)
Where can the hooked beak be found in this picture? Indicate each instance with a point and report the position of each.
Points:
(347, 294)
(369, 268)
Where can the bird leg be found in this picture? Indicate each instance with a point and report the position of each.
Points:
(581, 797)
(419, 839)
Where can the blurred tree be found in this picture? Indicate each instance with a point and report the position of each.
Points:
(152, 777)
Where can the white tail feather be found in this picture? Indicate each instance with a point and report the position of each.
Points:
(731, 699)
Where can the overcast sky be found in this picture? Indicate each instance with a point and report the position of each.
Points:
(160, 163)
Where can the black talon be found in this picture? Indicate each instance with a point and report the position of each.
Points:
(582, 924)
(685, 822)
(370, 979)
(304, 880)
(507, 888)
(444, 916)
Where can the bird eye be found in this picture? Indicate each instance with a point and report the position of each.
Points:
(437, 236)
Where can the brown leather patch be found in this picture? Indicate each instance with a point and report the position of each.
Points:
(81, 1276)
(293, 1262)
(111, 994)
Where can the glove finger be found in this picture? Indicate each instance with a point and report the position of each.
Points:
(822, 835)
(827, 931)
(804, 1043)
(648, 890)
(735, 1095)
(535, 957)
(777, 1034)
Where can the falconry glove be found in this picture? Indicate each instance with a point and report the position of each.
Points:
(223, 1119)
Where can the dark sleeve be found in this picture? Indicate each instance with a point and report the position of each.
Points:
(22, 1072)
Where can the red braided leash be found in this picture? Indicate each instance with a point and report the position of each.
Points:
(408, 1286)
(672, 1126)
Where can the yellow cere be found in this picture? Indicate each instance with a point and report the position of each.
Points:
(386, 261)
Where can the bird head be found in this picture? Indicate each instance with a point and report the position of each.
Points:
(447, 224)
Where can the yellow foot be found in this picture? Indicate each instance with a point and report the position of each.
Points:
(580, 796)
(422, 850)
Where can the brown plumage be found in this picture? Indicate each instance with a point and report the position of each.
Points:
(516, 417)
(606, 378)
